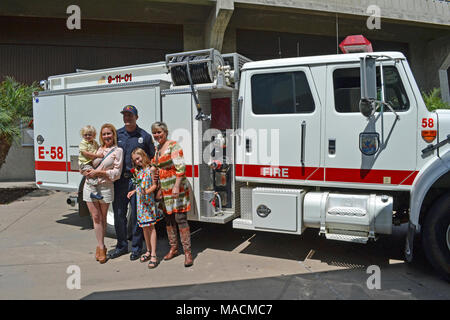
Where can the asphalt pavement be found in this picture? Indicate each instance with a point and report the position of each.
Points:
(47, 252)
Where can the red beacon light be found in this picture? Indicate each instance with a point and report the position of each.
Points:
(355, 44)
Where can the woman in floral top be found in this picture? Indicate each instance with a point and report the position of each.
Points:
(148, 213)
(175, 191)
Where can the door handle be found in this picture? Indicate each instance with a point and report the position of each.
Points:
(332, 146)
(248, 144)
(302, 153)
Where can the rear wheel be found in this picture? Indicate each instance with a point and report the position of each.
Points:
(436, 235)
(83, 210)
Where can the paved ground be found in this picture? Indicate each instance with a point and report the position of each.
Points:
(41, 237)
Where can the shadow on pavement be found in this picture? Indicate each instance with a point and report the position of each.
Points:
(309, 245)
(37, 193)
(349, 284)
(9, 195)
(74, 219)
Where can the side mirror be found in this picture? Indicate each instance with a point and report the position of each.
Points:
(368, 78)
(367, 107)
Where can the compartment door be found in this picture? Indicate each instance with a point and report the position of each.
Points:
(50, 152)
(177, 114)
(275, 211)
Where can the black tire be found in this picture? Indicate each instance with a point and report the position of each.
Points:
(435, 231)
(83, 210)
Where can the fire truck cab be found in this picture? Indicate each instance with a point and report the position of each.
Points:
(340, 143)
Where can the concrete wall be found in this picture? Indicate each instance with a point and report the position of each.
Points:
(19, 165)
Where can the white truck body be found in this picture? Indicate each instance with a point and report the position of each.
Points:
(298, 152)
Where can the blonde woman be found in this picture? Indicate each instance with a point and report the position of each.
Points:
(108, 169)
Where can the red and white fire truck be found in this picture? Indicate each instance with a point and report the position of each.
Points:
(341, 143)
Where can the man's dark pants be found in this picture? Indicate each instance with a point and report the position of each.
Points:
(120, 207)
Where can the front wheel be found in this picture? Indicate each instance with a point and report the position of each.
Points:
(436, 235)
(110, 229)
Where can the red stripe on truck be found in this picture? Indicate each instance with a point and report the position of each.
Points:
(189, 170)
(51, 165)
(65, 166)
(394, 177)
(369, 176)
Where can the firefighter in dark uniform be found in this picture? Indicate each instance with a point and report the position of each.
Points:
(129, 138)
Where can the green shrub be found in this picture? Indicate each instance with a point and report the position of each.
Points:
(433, 100)
(16, 105)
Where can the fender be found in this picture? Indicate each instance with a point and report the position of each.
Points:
(433, 170)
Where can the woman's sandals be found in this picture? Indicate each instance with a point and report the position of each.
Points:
(145, 257)
(153, 264)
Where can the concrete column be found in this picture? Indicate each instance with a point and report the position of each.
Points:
(217, 23)
(443, 79)
(429, 62)
(437, 62)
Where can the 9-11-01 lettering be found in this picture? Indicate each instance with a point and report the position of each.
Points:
(119, 78)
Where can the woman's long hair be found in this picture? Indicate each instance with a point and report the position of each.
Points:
(113, 129)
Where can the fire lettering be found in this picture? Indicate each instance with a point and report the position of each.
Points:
(275, 172)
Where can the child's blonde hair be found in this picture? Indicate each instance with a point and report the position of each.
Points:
(145, 159)
(88, 129)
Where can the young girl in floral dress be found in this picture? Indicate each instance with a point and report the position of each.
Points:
(147, 212)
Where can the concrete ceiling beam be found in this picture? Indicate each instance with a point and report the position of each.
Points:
(217, 23)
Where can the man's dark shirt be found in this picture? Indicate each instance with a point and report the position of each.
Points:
(129, 141)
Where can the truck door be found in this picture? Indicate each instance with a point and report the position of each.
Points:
(281, 126)
(50, 153)
(378, 151)
(177, 114)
